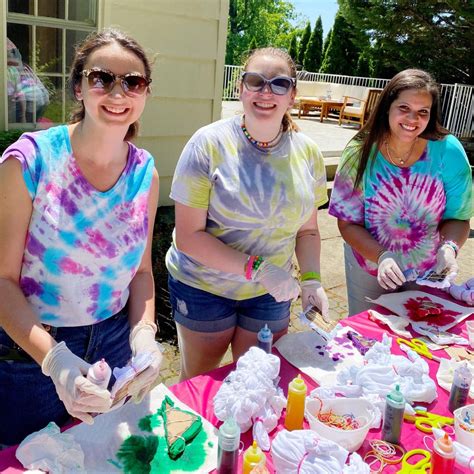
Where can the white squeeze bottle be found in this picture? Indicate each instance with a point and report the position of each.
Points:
(99, 374)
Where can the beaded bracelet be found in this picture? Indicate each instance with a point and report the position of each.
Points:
(311, 276)
(257, 262)
(453, 245)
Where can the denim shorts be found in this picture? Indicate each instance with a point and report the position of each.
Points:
(28, 399)
(202, 311)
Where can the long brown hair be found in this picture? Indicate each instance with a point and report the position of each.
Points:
(85, 49)
(287, 122)
(372, 134)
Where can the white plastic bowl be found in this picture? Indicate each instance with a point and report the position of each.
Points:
(349, 439)
(462, 436)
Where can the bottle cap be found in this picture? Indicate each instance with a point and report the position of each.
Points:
(445, 445)
(229, 435)
(298, 383)
(254, 454)
(265, 333)
(396, 396)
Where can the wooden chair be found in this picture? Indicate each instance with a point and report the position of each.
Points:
(359, 114)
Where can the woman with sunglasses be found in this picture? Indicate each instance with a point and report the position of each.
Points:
(246, 193)
(402, 193)
(76, 220)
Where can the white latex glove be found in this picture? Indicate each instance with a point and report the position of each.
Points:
(446, 258)
(68, 372)
(142, 339)
(389, 274)
(278, 282)
(313, 294)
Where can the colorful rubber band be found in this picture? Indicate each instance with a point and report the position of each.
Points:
(311, 276)
(249, 267)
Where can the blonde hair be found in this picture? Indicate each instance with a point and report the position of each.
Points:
(287, 122)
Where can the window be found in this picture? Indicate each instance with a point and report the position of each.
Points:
(41, 35)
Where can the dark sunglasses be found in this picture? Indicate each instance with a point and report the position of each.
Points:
(133, 83)
(279, 85)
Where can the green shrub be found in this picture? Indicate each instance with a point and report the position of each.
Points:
(7, 138)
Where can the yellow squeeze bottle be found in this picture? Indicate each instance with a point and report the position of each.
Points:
(253, 456)
(295, 404)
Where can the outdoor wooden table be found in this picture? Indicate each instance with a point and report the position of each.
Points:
(325, 105)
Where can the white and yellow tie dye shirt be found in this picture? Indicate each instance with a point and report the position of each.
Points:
(256, 201)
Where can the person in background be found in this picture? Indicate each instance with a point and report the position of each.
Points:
(76, 220)
(402, 193)
(246, 192)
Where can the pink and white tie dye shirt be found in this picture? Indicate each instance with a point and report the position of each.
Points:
(403, 207)
(83, 246)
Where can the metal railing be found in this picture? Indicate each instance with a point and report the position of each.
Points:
(457, 100)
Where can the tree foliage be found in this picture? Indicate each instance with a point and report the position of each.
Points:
(342, 53)
(433, 35)
(304, 43)
(314, 50)
(262, 22)
(293, 50)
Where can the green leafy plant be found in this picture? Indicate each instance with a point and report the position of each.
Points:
(7, 138)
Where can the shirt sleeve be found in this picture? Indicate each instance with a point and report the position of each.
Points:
(457, 181)
(26, 152)
(347, 201)
(191, 183)
(320, 190)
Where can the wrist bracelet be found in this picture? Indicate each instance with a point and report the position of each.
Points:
(249, 267)
(311, 276)
(453, 245)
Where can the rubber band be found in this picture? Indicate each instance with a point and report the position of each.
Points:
(311, 276)
(426, 446)
(376, 460)
(379, 445)
(305, 455)
(249, 267)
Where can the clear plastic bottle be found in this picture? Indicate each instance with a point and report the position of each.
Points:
(253, 456)
(462, 380)
(295, 404)
(393, 416)
(99, 374)
(443, 457)
(265, 339)
(228, 447)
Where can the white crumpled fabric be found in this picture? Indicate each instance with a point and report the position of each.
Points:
(443, 338)
(303, 451)
(250, 394)
(446, 370)
(49, 450)
(383, 371)
(463, 455)
(396, 324)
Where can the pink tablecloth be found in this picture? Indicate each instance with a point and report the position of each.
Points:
(199, 392)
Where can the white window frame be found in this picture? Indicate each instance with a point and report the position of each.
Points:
(34, 21)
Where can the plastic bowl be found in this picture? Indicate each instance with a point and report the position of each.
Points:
(463, 436)
(349, 439)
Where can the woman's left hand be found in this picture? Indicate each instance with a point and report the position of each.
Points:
(446, 260)
(142, 340)
(313, 294)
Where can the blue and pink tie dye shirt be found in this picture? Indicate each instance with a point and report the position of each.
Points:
(83, 246)
(403, 207)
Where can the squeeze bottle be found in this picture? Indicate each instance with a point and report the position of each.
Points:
(460, 388)
(443, 456)
(295, 404)
(253, 456)
(228, 440)
(99, 374)
(393, 416)
(265, 339)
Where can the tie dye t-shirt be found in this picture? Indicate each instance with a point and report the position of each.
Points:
(403, 207)
(256, 201)
(83, 246)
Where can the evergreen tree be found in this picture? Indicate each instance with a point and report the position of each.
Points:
(326, 44)
(314, 50)
(304, 43)
(342, 54)
(293, 50)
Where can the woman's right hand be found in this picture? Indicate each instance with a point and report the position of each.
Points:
(80, 396)
(389, 274)
(278, 282)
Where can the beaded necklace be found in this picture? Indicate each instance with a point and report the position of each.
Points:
(265, 146)
(405, 158)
